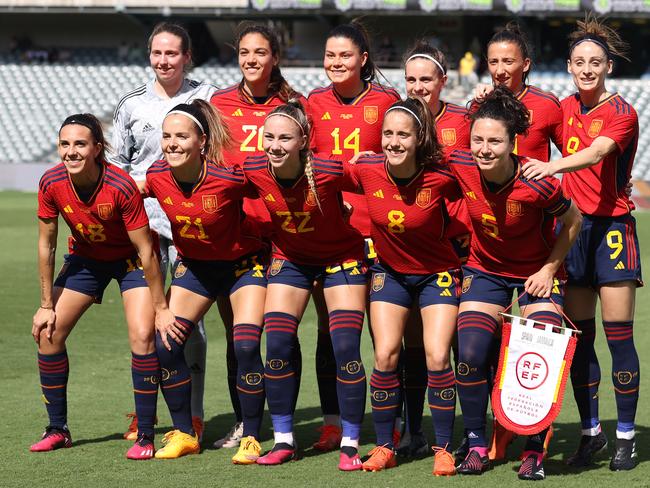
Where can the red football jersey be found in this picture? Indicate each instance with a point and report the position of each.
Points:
(207, 222)
(513, 227)
(408, 222)
(452, 129)
(600, 189)
(99, 227)
(545, 124)
(303, 233)
(245, 119)
(342, 130)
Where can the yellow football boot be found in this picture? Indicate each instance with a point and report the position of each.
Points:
(249, 451)
(177, 444)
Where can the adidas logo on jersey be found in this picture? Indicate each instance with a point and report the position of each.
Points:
(378, 194)
(326, 116)
(445, 293)
(168, 201)
(68, 209)
(619, 265)
(269, 198)
(147, 127)
(238, 113)
(355, 271)
(471, 195)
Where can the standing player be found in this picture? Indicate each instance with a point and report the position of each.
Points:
(406, 189)
(509, 63)
(425, 70)
(244, 107)
(600, 138)
(346, 120)
(110, 240)
(302, 194)
(137, 127)
(513, 247)
(216, 257)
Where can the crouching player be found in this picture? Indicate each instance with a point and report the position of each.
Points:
(405, 188)
(513, 249)
(110, 240)
(311, 241)
(218, 257)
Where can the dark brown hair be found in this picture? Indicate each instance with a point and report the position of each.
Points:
(512, 33)
(429, 150)
(92, 123)
(278, 85)
(357, 33)
(502, 105)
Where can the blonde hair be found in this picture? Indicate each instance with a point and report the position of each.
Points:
(217, 132)
(294, 110)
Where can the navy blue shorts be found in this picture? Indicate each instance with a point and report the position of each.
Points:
(91, 277)
(303, 276)
(479, 286)
(606, 251)
(388, 285)
(212, 279)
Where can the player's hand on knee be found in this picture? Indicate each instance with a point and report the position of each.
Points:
(540, 284)
(44, 318)
(167, 327)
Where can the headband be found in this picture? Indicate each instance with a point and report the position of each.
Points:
(80, 121)
(430, 58)
(189, 116)
(282, 114)
(591, 38)
(401, 107)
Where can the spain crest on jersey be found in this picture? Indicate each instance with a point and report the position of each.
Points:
(210, 203)
(423, 197)
(310, 198)
(467, 283)
(448, 136)
(180, 270)
(371, 114)
(513, 208)
(105, 211)
(276, 266)
(595, 127)
(378, 280)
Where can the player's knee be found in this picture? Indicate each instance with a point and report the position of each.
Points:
(386, 360)
(438, 361)
(279, 344)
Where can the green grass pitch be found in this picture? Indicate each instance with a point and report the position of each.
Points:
(99, 395)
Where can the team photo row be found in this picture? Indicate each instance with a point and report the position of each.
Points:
(476, 261)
